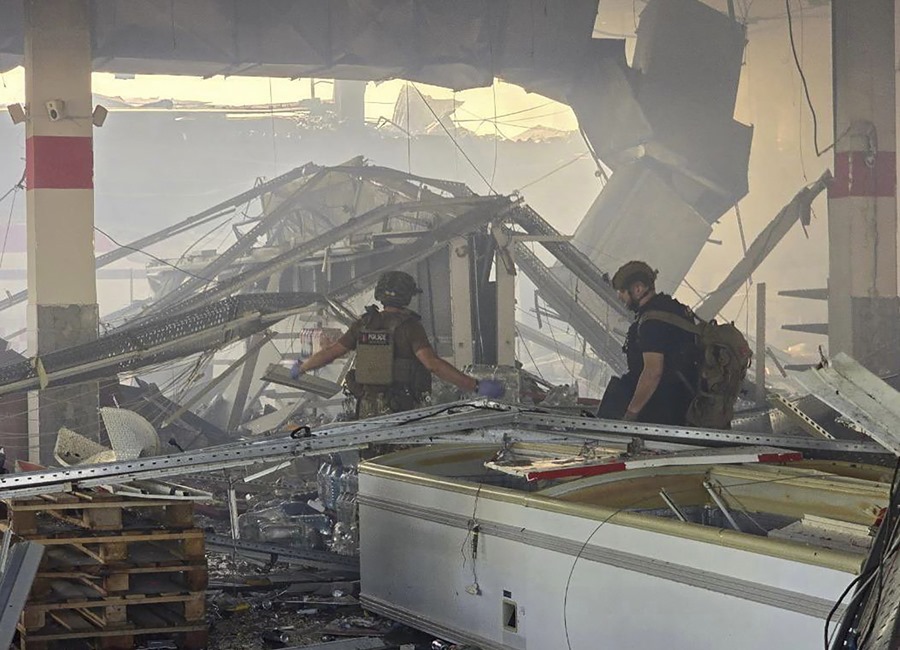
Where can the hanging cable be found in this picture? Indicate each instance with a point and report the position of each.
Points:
(812, 110)
(153, 257)
(15, 192)
(553, 171)
(408, 134)
(496, 130)
(455, 143)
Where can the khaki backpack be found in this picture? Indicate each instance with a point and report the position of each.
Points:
(723, 360)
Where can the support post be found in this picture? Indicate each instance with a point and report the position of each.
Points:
(862, 206)
(505, 276)
(251, 358)
(505, 286)
(760, 361)
(461, 301)
(62, 290)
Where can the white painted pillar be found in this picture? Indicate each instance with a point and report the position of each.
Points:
(505, 276)
(62, 293)
(461, 302)
(862, 206)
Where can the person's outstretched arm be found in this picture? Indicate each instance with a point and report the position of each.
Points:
(324, 356)
(444, 370)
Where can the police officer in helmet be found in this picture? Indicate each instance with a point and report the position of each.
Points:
(662, 363)
(394, 359)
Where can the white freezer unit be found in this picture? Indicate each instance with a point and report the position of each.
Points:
(559, 572)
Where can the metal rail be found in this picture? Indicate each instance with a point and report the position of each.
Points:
(709, 437)
(607, 347)
(339, 438)
(572, 258)
(287, 554)
(409, 426)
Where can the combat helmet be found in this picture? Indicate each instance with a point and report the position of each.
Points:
(396, 289)
(631, 272)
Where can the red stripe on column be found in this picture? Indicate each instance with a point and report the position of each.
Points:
(59, 162)
(854, 177)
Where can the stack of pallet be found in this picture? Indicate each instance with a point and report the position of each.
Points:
(117, 572)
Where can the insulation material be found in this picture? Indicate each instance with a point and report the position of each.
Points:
(130, 435)
(73, 449)
(639, 216)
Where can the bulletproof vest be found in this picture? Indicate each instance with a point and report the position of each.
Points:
(682, 361)
(378, 361)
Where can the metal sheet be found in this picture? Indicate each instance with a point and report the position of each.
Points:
(847, 387)
(278, 374)
(18, 575)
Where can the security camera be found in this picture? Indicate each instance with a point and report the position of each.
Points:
(56, 109)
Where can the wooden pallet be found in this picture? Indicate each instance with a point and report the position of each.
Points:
(115, 569)
(116, 546)
(99, 511)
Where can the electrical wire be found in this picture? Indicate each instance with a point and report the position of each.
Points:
(455, 143)
(12, 206)
(553, 171)
(891, 528)
(272, 119)
(650, 498)
(496, 130)
(408, 134)
(530, 356)
(812, 110)
(153, 257)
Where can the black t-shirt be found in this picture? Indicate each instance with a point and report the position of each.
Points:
(677, 346)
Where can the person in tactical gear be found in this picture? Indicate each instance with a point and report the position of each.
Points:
(394, 359)
(662, 358)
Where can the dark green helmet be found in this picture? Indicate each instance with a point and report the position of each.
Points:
(396, 289)
(631, 272)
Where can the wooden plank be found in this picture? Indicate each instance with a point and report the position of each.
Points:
(138, 599)
(98, 634)
(126, 536)
(72, 621)
(34, 505)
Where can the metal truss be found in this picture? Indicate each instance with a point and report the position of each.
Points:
(210, 214)
(284, 261)
(130, 348)
(571, 257)
(558, 296)
(418, 425)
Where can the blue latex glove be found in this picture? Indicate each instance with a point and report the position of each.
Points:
(490, 388)
(295, 370)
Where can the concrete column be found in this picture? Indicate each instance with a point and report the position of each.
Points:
(62, 292)
(862, 206)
